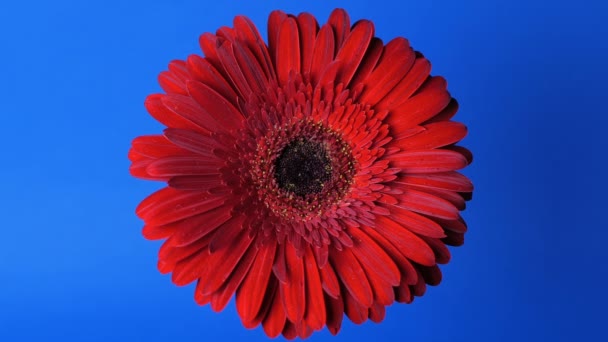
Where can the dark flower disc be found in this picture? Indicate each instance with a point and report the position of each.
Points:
(303, 167)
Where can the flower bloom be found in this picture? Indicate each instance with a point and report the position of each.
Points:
(311, 178)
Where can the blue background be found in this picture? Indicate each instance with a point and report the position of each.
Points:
(531, 80)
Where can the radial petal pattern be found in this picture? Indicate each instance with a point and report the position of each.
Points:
(312, 178)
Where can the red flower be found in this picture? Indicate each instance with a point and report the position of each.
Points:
(311, 178)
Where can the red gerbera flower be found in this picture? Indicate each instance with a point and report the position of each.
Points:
(311, 177)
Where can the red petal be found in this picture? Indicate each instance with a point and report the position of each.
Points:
(274, 26)
(408, 243)
(293, 291)
(377, 313)
(249, 34)
(223, 238)
(356, 312)
(424, 203)
(201, 264)
(396, 61)
(321, 254)
(352, 275)
(225, 254)
(274, 322)
(408, 273)
(330, 281)
(420, 287)
(189, 110)
(157, 232)
(179, 69)
(251, 68)
(203, 72)
(453, 238)
(178, 73)
(432, 275)
(200, 182)
(280, 266)
(161, 196)
(304, 331)
(374, 258)
(290, 331)
(323, 53)
(340, 22)
(403, 293)
(407, 86)
(189, 269)
(428, 161)
(335, 313)
(226, 54)
(452, 181)
(446, 114)
(218, 108)
(193, 141)
(200, 298)
(383, 291)
(194, 228)
(208, 43)
(155, 146)
(169, 205)
(169, 254)
(173, 81)
(221, 297)
(456, 199)
(328, 77)
(442, 253)
(171, 84)
(287, 53)
(184, 166)
(352, 51)
(315, 315)
(408, 132)
(344, 239)
(307, 26)
(435, 135)
(367, 65)
(430, 99)
(165, 116)
(138, 169)
(251, 292)
(416, 223)
(458, 226)
(463, 151)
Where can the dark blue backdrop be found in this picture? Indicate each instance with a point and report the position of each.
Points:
(531, 80)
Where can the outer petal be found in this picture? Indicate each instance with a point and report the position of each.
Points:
(288, 50)
(323, 52)
(250, 295)
(408, 243)
(352, 51)
(315, 316)
(275, 319)
(340, 22)
(352, 276)
(396, 61)
(293, 291)
(307, 27)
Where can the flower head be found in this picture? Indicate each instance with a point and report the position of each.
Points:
(312, 177)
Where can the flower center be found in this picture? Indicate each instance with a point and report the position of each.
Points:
(303, 167)
(299, 171)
